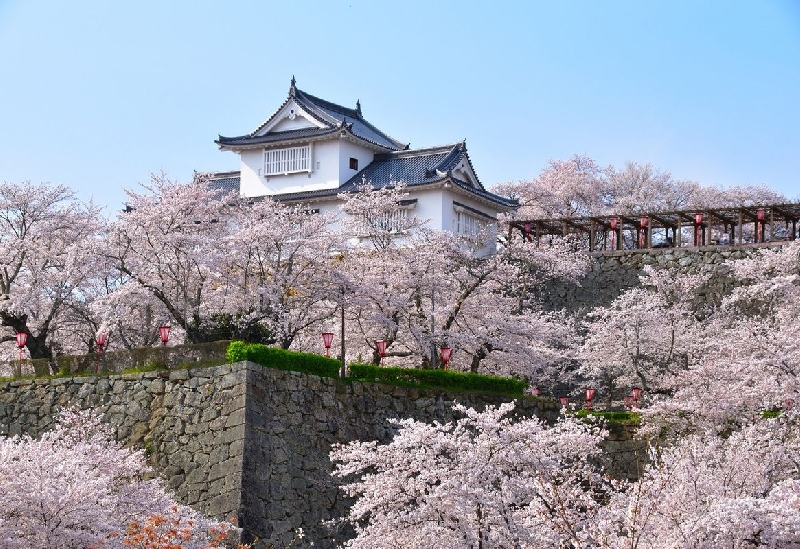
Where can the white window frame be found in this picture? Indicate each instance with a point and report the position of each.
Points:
(393, 221)
(468, 224)
(287, 160)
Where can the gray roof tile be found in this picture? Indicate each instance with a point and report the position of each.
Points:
(332, 115)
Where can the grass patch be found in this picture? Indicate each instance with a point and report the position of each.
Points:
(281, 359)
(438, 379)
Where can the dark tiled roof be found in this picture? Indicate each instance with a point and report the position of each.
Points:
(333, 116)
(272, 137)
(224, 183)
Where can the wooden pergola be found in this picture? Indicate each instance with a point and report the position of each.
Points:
(705, 227)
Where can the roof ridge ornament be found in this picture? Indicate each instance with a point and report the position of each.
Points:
(292, 87)
(358, 106)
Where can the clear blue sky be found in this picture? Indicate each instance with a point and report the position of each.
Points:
(96, 95)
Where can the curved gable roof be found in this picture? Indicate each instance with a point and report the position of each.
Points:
(334, 117)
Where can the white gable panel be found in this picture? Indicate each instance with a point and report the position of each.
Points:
(287, 124)
(290, 117)
(464, 172)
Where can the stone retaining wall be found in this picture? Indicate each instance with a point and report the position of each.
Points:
(614, 272)
(190, 422)
(250, 442)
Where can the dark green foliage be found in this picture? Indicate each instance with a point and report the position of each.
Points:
(769, 414)
(441, 379)
(622, 418)
(272, 357)
(229, 327)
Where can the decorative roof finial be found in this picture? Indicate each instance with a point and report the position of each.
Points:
(358, 107)
(292, 88)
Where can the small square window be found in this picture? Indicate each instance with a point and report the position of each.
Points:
(354, 163)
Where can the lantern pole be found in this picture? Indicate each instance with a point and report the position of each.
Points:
(698, 224)
(343, 367)
(613, 223)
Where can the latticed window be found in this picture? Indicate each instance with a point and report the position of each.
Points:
(289, 160)
(393, 221)
(468, 225)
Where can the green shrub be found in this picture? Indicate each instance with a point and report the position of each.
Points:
(623, 418)
(441, 379)
(281, 359)
(237, 351)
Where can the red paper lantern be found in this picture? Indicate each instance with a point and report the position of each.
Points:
(698, 218)
(101, 339)
(537, 391)
(22, 339)
(637, 393)
(760, 214)
(613, 222)
(446, 352)
(163, 333)
(564, 401)
(589, 396)
(381, 347)
(327, 340)
(643, 222)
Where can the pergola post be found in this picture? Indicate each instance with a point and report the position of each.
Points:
(741, 222)
(771, 232)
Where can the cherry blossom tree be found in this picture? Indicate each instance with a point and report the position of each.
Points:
(420, 289)
(706, 490)
(646, 337)
(76, 487)
(480, 481)
(564, 188)
(170, 243)
(747, 352)
(382, 270)
(277, 267)
(491, 311)
(580, 187)
(48, 251)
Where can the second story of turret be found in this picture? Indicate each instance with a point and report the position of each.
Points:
(308, 144)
